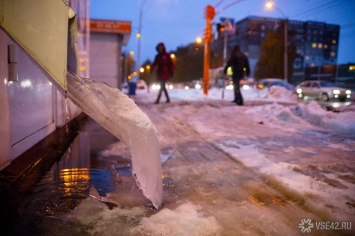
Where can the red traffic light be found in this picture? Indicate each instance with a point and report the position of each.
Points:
(210, 12)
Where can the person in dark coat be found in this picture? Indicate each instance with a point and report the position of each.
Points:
(165, 70)
(239, 63)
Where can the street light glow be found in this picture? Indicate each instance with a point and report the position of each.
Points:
(131, 53)
(269, 5)
(138, 35)
(141, 69)
(199, 40)
(172, 56)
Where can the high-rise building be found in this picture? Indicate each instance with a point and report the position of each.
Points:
(316, 42)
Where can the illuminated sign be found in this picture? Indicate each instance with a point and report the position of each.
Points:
(110, 26)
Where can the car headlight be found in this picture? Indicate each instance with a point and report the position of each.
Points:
(336, 91)
(348, 92)
(229, 87)
(155, 86)
(299, 90)
(246, 87)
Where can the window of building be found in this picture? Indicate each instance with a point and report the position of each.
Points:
(320, 45)
(314, 45)
(334, 41)
(332, 54)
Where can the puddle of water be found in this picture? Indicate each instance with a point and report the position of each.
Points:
(60, 191)
(65, 184)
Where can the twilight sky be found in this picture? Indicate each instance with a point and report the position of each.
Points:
(180, 22)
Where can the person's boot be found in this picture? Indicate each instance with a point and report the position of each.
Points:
(167, 97)
(158, 98)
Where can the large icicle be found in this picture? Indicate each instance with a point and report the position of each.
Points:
(117, 113)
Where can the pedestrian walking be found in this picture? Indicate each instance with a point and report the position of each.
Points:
(239, 63)
(165, 70)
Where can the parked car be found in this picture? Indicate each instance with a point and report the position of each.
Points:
(141, 84)
(194, 84)
(267, 83)
(322, 90)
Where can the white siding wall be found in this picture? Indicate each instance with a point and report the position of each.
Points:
(105, 58)
(30, 108)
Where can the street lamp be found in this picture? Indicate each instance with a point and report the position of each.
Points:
(139, 35)
(199, 40)
(269, 6)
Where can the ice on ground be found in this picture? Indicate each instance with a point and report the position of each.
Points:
(117, 113)
(250, 156)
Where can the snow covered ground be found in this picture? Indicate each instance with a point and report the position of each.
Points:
(260, 169)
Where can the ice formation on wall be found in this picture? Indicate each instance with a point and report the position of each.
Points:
(117, 113)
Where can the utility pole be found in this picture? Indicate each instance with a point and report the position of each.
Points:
(209, 15)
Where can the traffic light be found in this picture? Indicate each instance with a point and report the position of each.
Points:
(220, 27)
(210, 12)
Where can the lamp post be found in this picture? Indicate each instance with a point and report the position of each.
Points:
(139, 35)
(269, 6)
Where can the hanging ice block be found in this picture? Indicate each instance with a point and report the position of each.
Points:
(117, 113)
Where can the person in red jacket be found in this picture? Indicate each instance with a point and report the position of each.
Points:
(165, 70)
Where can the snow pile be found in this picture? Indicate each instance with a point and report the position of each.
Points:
(184, 220)
(94, 218)
(275, 114)
(278, 93)
(275, 93)
(117, 113)
(314, 114)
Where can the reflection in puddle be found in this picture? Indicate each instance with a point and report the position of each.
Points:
(167, 182)
(124, 169)
(61, 191)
